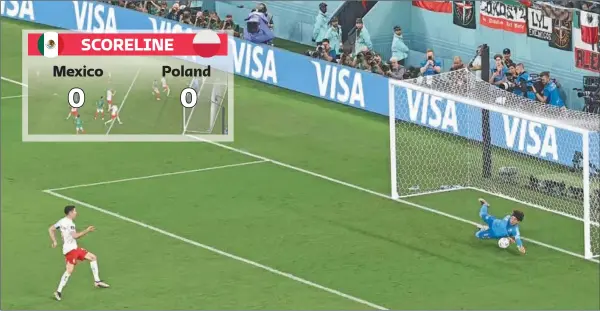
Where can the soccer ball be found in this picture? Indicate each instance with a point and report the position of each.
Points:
(503, 243)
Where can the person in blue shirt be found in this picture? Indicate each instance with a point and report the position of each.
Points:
(550, 94)
(498, 71)
(507, 227)
(321, 24)
(524, 83)
(430, 66)
(328, 53)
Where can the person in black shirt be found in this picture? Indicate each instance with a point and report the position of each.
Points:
(507, 60)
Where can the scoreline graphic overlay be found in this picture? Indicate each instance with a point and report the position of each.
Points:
(114, 83)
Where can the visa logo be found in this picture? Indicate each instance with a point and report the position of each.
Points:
(340, 84)
(94, 17)
(432, 111)
(530, 137)
(17, 9)
(164, 26)
(254, 61)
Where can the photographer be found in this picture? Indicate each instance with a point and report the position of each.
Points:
(258, 28)
(334, 35)
(376, 65)
(550, 94)
(524, 83)
(346, 59)
(397, 71)
(430, 66)
(230, 27)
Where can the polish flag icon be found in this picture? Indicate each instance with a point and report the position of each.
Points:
(208, 43)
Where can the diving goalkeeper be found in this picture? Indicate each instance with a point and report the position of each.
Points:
(507, 227)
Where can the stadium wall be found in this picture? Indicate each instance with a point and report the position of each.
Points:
(347, 86)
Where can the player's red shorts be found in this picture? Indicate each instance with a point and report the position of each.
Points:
(114, 116)
(74, 112)
(109, 101)
(74, 255)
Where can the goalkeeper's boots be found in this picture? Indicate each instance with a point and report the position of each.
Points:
(101, 284)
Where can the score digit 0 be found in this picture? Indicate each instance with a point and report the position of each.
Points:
(184, 97)
(76, 97)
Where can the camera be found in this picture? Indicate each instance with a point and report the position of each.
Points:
(507, 86)
(591, 100)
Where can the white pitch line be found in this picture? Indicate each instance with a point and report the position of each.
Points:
(123, 102)
(158, 175)
(564, 251)
(218, 251)
(16, 96)
(13, 81)
(343, 183)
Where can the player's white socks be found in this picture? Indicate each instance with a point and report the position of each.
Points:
(94, 266)
(63, 281)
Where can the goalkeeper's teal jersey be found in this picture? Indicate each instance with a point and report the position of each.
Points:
(501, 228)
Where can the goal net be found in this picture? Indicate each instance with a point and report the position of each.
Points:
(209, 113)
(454, 131)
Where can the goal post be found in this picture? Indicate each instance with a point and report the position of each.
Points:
(541, 156)
(208, 115)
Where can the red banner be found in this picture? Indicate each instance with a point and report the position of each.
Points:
(434, 6)
(204, 43)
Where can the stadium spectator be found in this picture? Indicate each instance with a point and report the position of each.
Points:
(507, 60)
(397, 70)
(320, 28)
(334, 35)
(363, 39)
(173, 13)
(399, 49)
(550, 94)
(498, 71)
(457, 64)
(475, 64)
(430, 66)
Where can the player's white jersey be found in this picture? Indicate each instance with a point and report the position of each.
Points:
(109, 94)
(114, 109)
(67, 228)
(163, 81)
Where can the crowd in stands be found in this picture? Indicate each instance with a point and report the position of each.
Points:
(327, 35)
(183, 12)
(505, 73)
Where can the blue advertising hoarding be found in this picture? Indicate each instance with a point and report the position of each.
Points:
(359, 89)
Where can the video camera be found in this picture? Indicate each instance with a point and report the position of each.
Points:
(590, 93)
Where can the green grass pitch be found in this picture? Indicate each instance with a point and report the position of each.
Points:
(280, 238)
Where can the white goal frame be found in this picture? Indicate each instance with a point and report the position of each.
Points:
(187, 116)
(585, 133)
